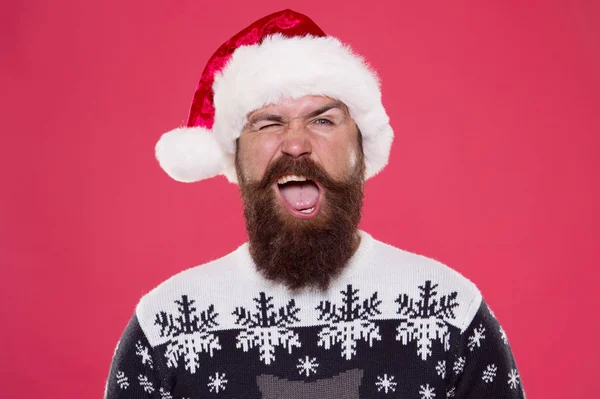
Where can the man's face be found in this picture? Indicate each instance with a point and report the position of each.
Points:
(301, 171)
(314, 127)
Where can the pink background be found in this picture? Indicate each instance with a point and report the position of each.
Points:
(494, 169)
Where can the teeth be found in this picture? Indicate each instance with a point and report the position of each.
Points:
(287, 178)
(309, 210)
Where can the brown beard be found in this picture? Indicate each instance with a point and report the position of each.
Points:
(302, 253)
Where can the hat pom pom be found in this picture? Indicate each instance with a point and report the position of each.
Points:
(190, 154)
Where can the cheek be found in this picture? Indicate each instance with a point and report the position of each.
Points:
(353, 159)
(352, 149)
(257, 153)
(340, 156)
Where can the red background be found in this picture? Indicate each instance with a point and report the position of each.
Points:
(494, 169)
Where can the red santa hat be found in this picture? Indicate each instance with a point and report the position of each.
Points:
(283, 55)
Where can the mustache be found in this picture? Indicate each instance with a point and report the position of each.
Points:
(303, 166)
(302, 254)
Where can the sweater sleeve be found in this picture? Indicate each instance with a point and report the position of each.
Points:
(484, 366)
(133, 372)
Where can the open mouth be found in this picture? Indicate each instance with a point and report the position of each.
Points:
(301, 195)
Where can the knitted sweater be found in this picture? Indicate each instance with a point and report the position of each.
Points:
(392, 325)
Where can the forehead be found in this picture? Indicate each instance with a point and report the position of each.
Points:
(299, 106)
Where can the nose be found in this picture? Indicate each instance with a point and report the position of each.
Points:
(296, 142)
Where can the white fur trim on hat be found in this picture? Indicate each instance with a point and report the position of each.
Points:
(190, 154)
(282, 67)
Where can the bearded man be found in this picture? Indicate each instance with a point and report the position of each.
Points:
(311, 306)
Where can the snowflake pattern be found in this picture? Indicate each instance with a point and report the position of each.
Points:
(164, 394)
(122, 380)
(441, 368)
(349, 322)
(503, 336)
(217, 382)
(476, 338)
(489, 373)
(189, 335)
(267, 328)
(145, 384)
(426, 319)
(459, 365)
(307, 365)
(386, 383)
(423, 320)
(513, 378)
(427, 392)
(144, 352)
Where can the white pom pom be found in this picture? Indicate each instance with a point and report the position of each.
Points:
(190, 154)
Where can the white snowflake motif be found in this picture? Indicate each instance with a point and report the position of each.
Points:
(441, 368)
(216, 383)
(348, 333)
(307, 365)
(489, 373)
(122, 380)
(164, 394)
(427, 392)
(476, 338)
(513, 379)
(459, 365)
(425, 319)
(189, 335)
(386, 383)
(349, 323)
(503, 336)
(267, 328)
(144, 352)
(145, 384)
(451, 393)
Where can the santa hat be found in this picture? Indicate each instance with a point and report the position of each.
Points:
(283, 55)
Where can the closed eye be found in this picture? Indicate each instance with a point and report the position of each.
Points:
(269, 126)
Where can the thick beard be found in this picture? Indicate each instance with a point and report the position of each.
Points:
(302, 253)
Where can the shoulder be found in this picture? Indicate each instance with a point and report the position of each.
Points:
(410, 263)
(208, 281)
(417, 276)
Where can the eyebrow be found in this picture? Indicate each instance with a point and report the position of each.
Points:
(280, 119)
(337, 104)
(266, 117)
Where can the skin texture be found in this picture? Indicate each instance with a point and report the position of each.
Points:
(330, 139)
(296, 137)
